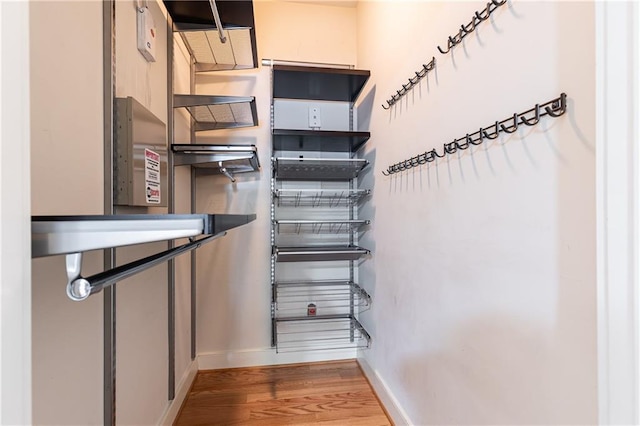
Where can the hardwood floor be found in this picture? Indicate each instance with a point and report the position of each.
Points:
(328, 393)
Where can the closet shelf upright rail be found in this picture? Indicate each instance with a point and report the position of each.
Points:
(553, 108)
(476, 19)
(412, 82)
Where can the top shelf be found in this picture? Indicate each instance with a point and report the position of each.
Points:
(195, 22)
(219, 112)
(324, 84)
(53, 235)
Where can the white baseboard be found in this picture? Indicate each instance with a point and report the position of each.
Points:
(267, 356)
(391, 404)
(182, 390)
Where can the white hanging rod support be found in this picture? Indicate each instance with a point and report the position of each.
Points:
(216, 18)
(272, 62)
(79, 288)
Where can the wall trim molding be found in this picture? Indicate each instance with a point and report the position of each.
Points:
(172, 411)
(16, 402)
(267, 356)
(618, 212)
(386, 397)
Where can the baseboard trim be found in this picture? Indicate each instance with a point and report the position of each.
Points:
(390, 403)
(172, 411)
(267, 356)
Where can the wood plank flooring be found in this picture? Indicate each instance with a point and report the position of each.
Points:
(328, 394)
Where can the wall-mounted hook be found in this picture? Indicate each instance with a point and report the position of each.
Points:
(558, 107)
(511, 128)
(466, 28)
(450, 147)
(477, 141)
(444, 52)
(491, 135)
(533, 121)
(438, 155)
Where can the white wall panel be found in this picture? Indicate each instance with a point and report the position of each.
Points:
(15, 221)
(67, 179)
(483, 268)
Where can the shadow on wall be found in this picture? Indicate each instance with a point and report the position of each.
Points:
(248, 81)
(413, 95)
(365, 110)
(476, 375)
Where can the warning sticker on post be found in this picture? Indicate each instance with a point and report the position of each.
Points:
(152, 176)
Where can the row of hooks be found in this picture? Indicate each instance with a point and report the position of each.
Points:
(453, 41)
(554, 108)
(412, 82)
(477, 18)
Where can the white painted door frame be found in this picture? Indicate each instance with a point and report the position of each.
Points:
(15, 216)
(618, 233)
(618, 213)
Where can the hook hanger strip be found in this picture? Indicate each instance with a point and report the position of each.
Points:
(553, 108)
(412, 82)
(465, 30)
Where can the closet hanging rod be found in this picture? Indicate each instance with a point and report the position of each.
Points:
(476, 19)
(216, 18)
(79, 288)
(554, 108)
(412, 82)
(272, 62)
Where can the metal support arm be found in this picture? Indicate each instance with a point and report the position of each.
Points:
(216, 18)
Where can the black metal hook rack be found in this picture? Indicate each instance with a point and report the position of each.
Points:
(477, 18)
(554, 108)
(412, 82)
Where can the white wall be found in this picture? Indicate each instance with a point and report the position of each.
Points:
(67, 178)
(233, 305)
(483, 269)
(618, 210)
(15, 227)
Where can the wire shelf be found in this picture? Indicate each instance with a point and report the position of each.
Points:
(322, 253)
(313, 298)
(319, 226)
(318, 168)
(219, 112)
(210, 54)
(320, 333)
(319, 198)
